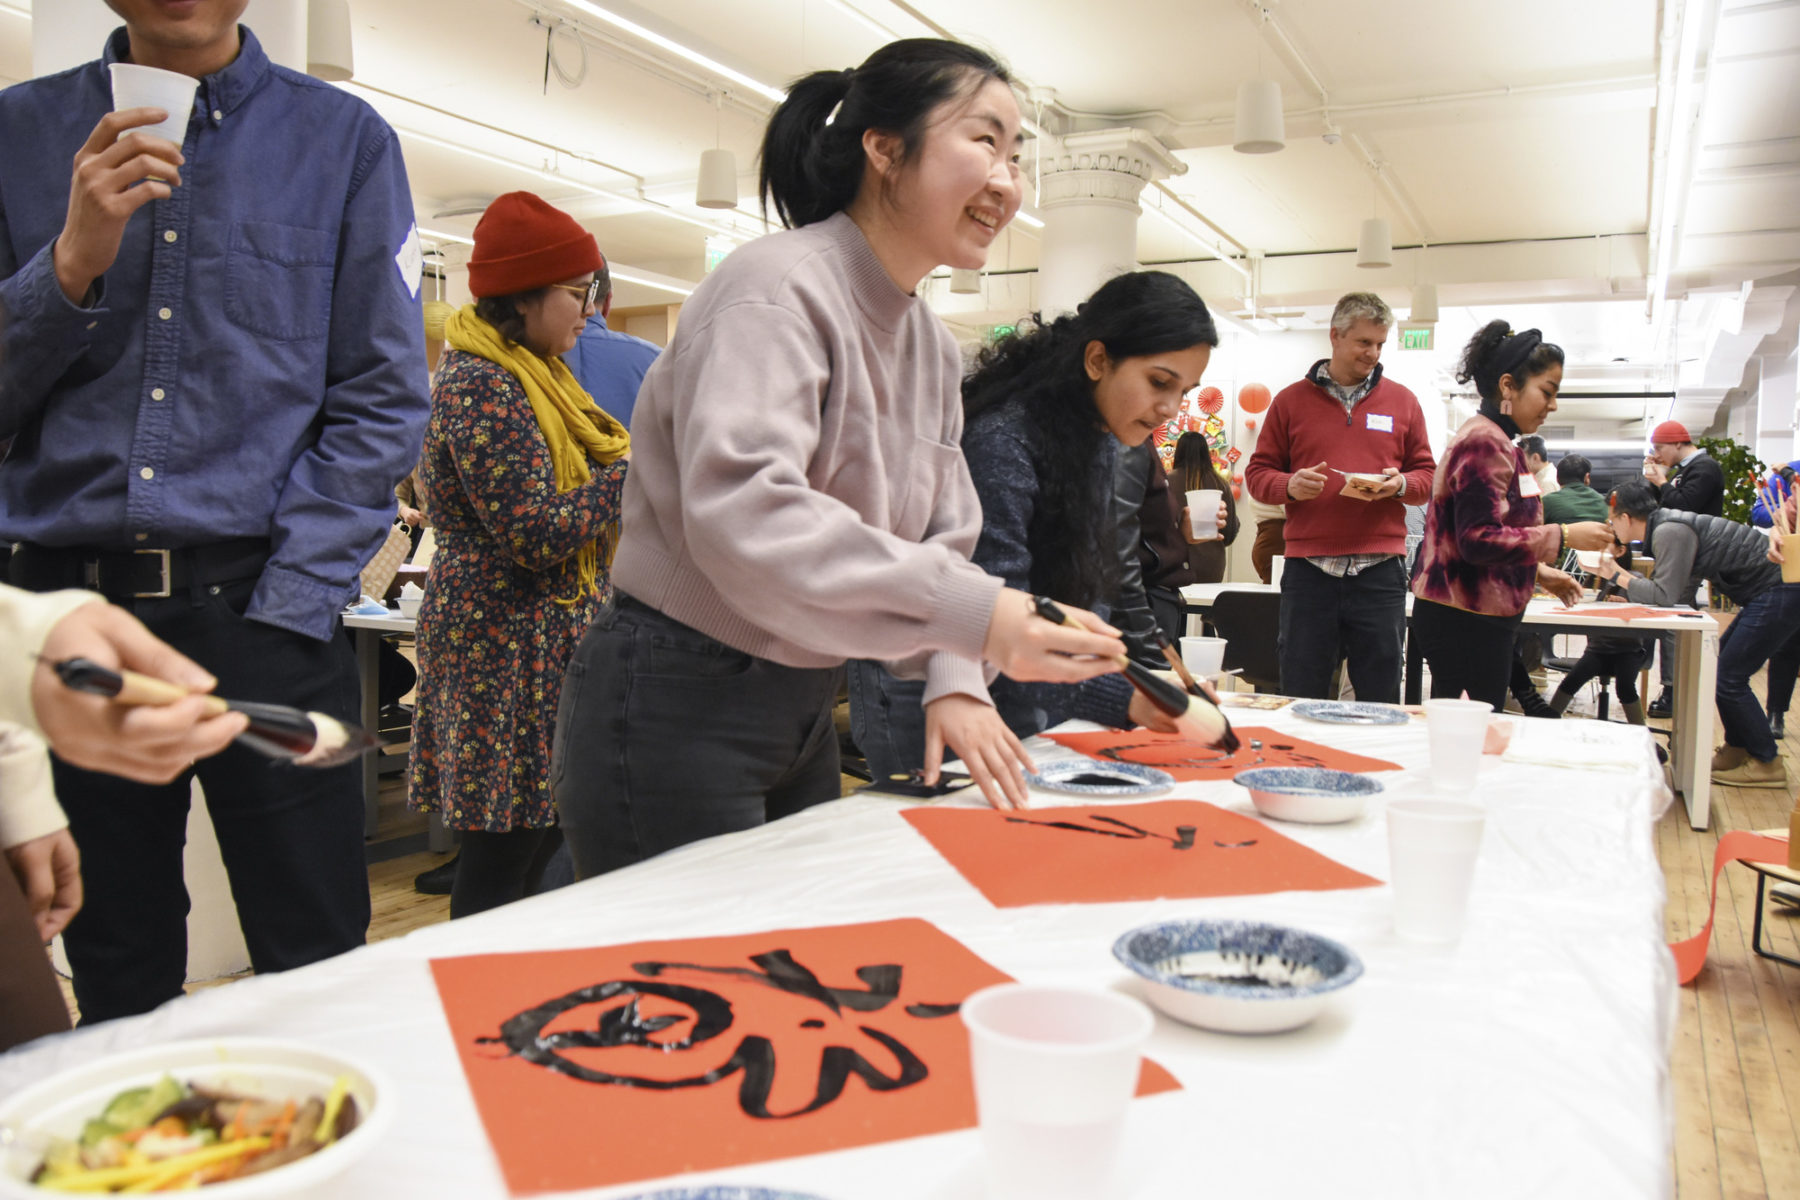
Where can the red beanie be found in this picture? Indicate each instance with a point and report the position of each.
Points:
(1669, 433)
(522, 243)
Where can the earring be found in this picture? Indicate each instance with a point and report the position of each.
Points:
(1505, 405)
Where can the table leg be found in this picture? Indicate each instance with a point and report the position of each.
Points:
(1691, 743)
(368, 667)
(1415, 669)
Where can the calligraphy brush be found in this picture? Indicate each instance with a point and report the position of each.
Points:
(1213, 727)
(307, 739)
(1168, 651)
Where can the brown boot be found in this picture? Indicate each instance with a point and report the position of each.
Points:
(1726, 758)
(1634, 711)
(1754, 773)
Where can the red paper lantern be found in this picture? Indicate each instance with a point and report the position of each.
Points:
(1253, 397)
(1211, 400)
(1237, 491)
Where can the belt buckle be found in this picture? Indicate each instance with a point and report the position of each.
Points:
(163, 557)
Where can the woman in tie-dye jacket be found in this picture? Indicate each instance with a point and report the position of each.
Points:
(1486, 545)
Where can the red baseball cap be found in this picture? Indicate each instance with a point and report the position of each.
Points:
(1669, 433)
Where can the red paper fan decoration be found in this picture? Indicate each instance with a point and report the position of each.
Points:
(1211, 400)
(1253, 397)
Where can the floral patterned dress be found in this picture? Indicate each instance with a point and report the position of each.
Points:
(492, 639)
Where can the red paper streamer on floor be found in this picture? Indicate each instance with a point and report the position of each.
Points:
(1690, 955)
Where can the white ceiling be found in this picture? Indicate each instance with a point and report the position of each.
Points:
(1516, 139)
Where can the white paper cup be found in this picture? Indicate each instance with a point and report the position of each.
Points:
(1432, 847)
(1790, 558)
(1203, 513)
(1055, 1069)
(1204, 657)
(151, 87)
(1456, 729)
(1277, 565)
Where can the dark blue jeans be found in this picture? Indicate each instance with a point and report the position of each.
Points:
(665, 736)
(1760, 629)
(1325, 619)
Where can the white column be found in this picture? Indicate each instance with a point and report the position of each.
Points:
(1088, 195)
(67, 33)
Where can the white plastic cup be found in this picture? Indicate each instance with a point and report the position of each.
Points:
(1277, 564)
(152, 87)
(1432, 848)
(1203, 513)
(1456, 729)
(1204, 657)
(1055, 1069)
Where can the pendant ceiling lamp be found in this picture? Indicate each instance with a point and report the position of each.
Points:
(717, 187)
(965, 282)
(718, 180)
(328, 51)
(1260, 128)
(1375, 247)
(1424, 304)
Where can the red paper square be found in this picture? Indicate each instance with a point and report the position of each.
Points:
(1095, 854)
(741, 1049)
(1188, 760)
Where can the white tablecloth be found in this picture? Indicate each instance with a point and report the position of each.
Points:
(1529, 1060)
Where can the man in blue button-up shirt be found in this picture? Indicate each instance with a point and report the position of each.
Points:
(213, 376)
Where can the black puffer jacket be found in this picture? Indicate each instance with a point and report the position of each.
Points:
(1689, 547)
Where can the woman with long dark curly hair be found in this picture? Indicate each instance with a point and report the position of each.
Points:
(1486, 544)
(1046, 409)
(1196, 471)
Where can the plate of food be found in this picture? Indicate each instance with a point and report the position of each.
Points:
(1350, 712)
(1091, 777)
(237, 1117)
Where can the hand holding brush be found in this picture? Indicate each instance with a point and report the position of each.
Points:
(1193, 713)
(307, 739)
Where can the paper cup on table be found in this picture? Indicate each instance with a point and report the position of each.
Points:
(151, 87)
(1277, 564)
(1203, 656)
(1456, 729)
(1790, 558)
(1432, 847)
(1203, 513)
(1055, 1069)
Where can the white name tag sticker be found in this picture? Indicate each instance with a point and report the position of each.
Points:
(1528, 484)
(1380, 422)
(410, 258)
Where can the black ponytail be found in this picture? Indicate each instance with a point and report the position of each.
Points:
(1043, 365)
(812, 153)
(1495, 351)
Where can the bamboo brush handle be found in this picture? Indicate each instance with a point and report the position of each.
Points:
(144, 690)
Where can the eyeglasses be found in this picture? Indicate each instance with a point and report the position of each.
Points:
(589, 292)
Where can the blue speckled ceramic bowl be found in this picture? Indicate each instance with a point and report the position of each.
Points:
(1350, 712)
(1072, 775)
(723, 1192)
(1310, 795)
(1237, 976)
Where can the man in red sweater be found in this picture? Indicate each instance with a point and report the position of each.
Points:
(1344, 450)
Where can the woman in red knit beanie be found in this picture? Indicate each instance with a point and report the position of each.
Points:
(522, 473)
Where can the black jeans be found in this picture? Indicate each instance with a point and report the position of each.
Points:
(1325, 619)
(1467, 652)
(291, 837)
(665, 736)
(1760, 629)
(1621, 662)
(497, 868)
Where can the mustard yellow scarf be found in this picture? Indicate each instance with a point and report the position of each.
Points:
(575, 428)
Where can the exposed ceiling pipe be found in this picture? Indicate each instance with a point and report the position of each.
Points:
(1390, 185)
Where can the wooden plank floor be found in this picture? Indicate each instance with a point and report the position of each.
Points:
(1736, 1065)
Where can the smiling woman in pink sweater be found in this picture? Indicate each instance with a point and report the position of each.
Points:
(797, 493)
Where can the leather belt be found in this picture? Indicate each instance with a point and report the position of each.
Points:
(142, 574)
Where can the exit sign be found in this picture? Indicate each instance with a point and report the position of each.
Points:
(1001, 331)
(1416, 339)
